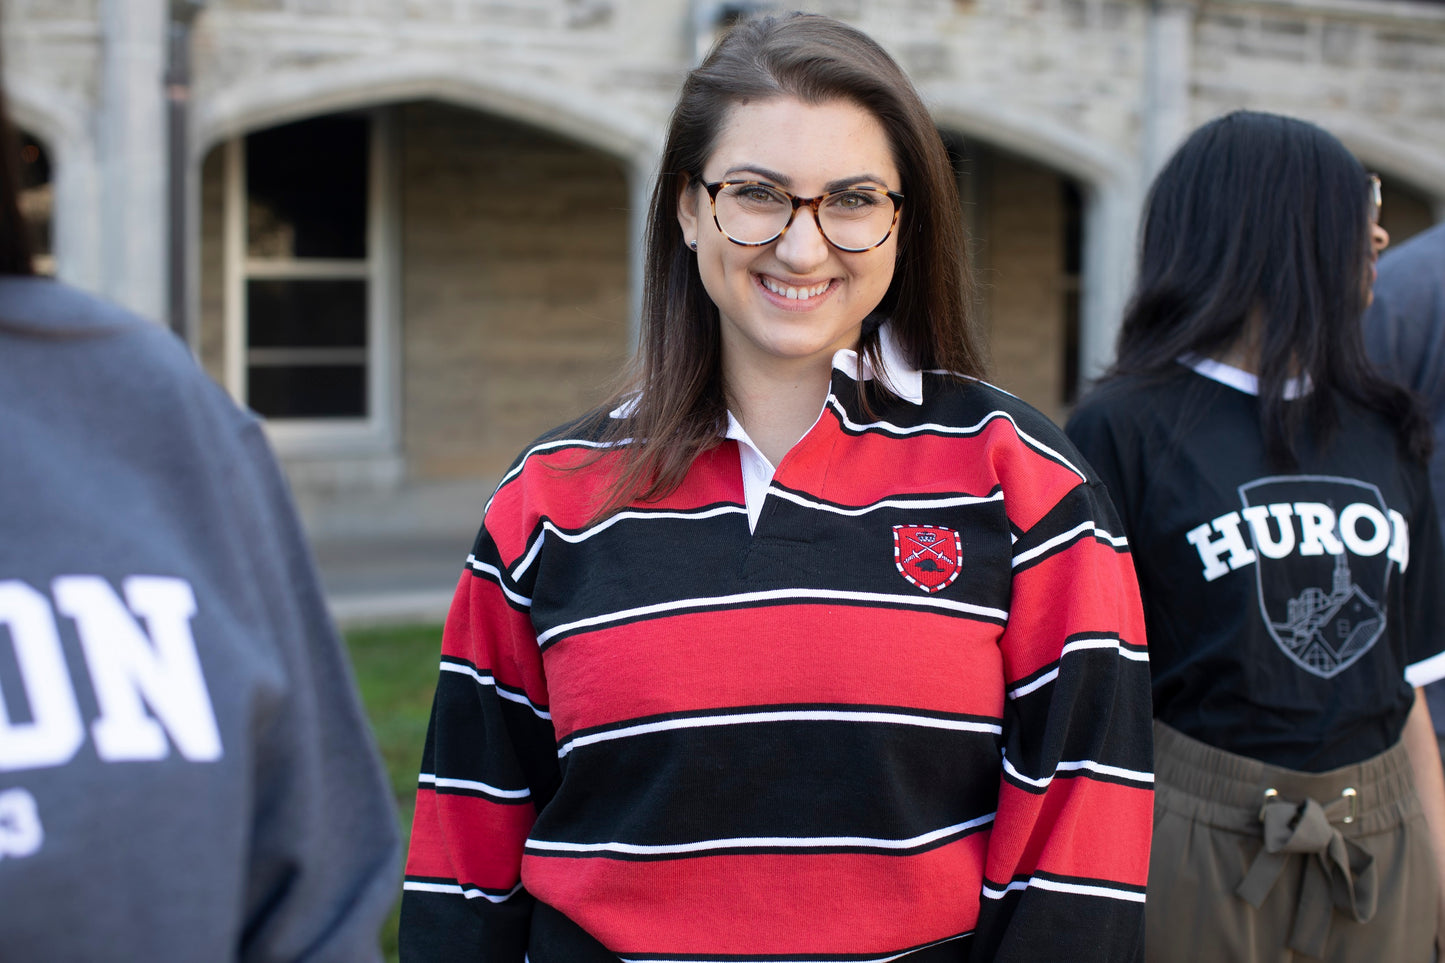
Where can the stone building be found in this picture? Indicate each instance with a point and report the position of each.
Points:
(411, 225)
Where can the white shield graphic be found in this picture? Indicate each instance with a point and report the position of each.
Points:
(1321, 590)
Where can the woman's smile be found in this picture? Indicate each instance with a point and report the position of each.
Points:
(807, 294)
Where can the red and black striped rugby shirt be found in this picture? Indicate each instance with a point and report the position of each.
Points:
(907, 717)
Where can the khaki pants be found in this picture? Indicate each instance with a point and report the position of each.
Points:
(1257, 864)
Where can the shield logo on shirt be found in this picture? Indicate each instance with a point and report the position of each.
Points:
(929, 556)
(1324, 550)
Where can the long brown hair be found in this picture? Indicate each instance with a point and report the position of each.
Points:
(675, 389)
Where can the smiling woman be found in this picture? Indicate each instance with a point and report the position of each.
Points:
(809, 644)
(788, 302)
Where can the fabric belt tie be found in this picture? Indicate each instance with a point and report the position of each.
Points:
(1339, 874)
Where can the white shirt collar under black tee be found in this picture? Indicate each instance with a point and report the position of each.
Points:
(1240, 379)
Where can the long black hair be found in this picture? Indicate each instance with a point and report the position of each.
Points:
(1258, 227)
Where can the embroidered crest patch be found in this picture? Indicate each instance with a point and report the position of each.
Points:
(929, 556)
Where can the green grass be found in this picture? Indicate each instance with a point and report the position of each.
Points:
(396, 670)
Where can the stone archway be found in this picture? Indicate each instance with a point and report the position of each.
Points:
(502, 256)
(565, 111)
(1098, 186)
(1023, 220)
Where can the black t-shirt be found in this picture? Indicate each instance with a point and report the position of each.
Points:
(1290, 614)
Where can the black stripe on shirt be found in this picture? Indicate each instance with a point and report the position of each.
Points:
(525, 759)
(1089, 686)
(781, 779)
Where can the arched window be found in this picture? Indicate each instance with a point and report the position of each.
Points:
(307, 261)
(306, 269)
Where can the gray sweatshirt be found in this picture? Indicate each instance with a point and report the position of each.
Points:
(185, 770)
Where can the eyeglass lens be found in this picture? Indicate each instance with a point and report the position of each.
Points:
(756, 213)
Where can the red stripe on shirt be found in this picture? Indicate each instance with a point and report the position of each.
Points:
(770, 656)
(1091, 829)
(486, 631)
(468, 838)
(546, 489)
(973, 465)
(1088, 587)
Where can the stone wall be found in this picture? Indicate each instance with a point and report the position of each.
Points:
(514, 286)
(1372, 73)
(1024, 269)
(55, 43)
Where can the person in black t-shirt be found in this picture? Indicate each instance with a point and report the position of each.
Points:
(1275, 495)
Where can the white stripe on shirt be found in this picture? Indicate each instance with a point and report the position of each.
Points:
(780, 715)
(794, 595)
(761, 842)
(502, 693)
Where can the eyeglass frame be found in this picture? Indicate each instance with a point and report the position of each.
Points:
(1377, 194)
(812, 202)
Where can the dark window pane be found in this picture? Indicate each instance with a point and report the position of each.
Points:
(306, 189)
(34, 163)
(37, 200)
(1073, 228)
(291, 313)
(1070, 381)
(308, 391)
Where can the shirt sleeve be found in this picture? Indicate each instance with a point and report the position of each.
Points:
(1068, 854)
(1424, 598)
(324, 849)
(488, 767)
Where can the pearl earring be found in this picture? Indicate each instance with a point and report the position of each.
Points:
(692, 245)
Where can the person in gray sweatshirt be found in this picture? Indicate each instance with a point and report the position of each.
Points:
(185, 770)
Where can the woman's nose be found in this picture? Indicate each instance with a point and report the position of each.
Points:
(803, 246)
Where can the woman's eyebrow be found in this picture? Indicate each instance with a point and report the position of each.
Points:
(856, 179)
(782, 180)
(785, 182)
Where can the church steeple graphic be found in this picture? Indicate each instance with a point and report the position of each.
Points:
(1342, 581)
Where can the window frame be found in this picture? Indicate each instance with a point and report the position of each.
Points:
(376, 433)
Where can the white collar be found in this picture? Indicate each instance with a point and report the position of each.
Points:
(894, 371)
(1239, 379)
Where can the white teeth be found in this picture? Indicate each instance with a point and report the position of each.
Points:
(795, 294)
